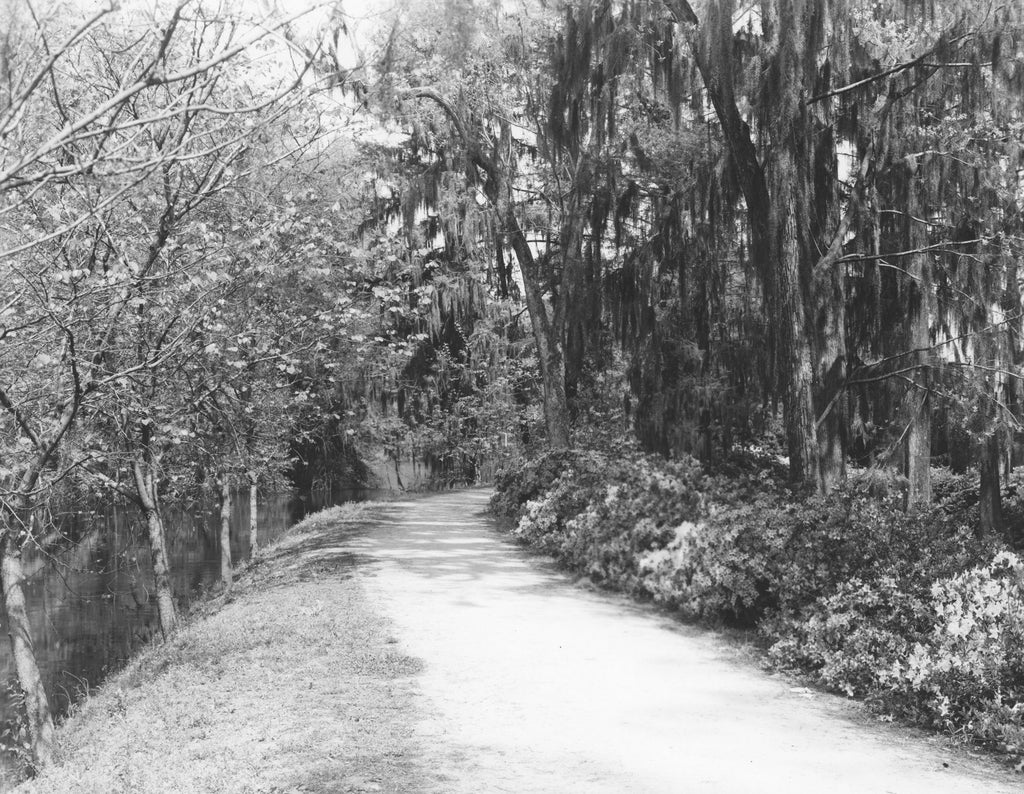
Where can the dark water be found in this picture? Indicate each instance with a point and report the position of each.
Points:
(92, 603)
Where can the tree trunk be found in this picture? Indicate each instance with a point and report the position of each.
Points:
(161, 571)
(254, 543)
(959, 448)
(784, 289)
(919, 445)
(145, 488)
(828, 308)
(548, 339)
(552, 368)
(15, 521)
(801, 427)
(918, 400)
(39, 721)
(572, 305)
(833, 428)
(990, 506)
(225, 530)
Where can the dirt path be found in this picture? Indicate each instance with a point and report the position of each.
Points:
(420, 652)
(531, 684)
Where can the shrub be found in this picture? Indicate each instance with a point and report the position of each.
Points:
(974, 654)
(950, 655)
(617, 538)
(775, 555)
(657, 568)
(616, 519)
(907, 609)
(543, 520)
(724, 572)
(955, 492)
(853, 637)
(519, 484)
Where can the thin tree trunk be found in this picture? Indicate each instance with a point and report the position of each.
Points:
(990, 506)
(919, 445)
(552, 368)
(39, 721)
(145, 489)
(832, 404)
(795, 353)
(832, 432)
(254, 543)
(801, 427)
(225, 530)
(918, 400)
(15, 518)
(547, 337)
(571, 310)
(162, 571)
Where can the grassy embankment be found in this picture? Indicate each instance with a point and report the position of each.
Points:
(289, 683)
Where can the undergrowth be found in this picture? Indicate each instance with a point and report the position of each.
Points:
(910, 611)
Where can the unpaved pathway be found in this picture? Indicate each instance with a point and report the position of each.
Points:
(532, 684)
(411, 649)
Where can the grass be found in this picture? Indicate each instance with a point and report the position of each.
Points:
(288, 683)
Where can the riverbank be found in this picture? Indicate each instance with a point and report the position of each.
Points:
(90, 599)
(289, 683)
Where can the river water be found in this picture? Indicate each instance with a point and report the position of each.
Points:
(91, 601)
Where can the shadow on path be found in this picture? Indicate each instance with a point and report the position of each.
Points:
(536, 685)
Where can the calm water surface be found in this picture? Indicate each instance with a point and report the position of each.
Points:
(91, 602)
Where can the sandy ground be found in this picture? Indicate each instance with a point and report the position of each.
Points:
(422, 652)
(532, 684)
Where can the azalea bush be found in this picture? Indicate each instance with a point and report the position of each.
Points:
(622, 536)
(524, 481)
(951, 657)
(853, 637)
(543, 520)
(909, 610)
(779, 555)
(970, 667)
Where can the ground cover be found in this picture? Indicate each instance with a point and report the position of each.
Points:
(290, 683)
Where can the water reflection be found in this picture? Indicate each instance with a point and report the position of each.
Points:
(91, 598)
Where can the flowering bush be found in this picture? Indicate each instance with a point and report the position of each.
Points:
(658, 568)
(950, 655)
(555, 490)
(633, 518)
(542, 523)
(516, 486)
(974, 653)
(909, 610)
(853, 637)
(765, 555)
